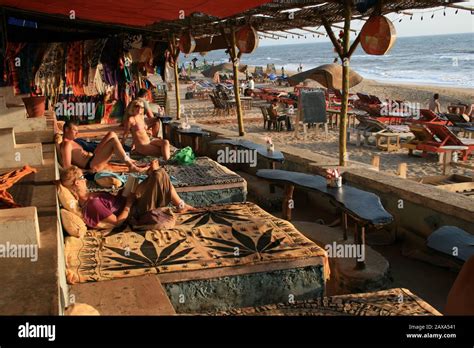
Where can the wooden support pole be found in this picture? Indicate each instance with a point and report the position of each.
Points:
(402, 170)
(235, 68)
(360, 241)
(376, 161)
(286, 209)
(345, 83)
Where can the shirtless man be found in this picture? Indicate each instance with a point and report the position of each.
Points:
(73, 154)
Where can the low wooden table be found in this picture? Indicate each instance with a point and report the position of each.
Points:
(364, 207)
(384, 141)
(273, 157)
(448, 154)
(194, 133)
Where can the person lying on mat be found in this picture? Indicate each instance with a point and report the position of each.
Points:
(135, 124)
(154, 192)
(434, 104)
(73, 154)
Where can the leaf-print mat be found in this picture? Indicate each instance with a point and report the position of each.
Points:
(217, 236)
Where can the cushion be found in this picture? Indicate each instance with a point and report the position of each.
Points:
(68, 201)
(108, 182)
(81, 309)
(73, 224)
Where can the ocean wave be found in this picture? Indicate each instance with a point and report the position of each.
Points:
(464, 57)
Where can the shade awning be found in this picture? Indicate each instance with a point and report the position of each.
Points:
(133, 12)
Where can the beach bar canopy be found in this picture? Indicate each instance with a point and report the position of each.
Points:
(167, 20)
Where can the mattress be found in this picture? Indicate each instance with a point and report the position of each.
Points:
(216, 237)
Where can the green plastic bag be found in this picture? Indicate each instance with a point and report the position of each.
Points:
(184, 156)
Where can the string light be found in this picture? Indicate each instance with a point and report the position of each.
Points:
(457, 11)
(421, 17)
(313, 35)
(444, 12)
(411, 18)
(432, 16)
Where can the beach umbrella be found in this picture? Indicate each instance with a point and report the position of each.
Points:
(222, 67)
(328, 75)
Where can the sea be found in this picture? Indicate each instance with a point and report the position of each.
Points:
(434, 60)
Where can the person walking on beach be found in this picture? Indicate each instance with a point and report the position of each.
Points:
(300, 68)
(73, 154)
(434, 104)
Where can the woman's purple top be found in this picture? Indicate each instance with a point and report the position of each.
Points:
(101, 205)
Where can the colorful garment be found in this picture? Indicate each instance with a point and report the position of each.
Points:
(9, 179)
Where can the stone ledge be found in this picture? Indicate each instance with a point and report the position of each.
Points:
(434, 198)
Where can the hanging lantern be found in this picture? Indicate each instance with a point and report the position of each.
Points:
(246, 39)
(187, 43)
(377, 35)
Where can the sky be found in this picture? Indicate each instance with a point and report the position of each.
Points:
(462, 22)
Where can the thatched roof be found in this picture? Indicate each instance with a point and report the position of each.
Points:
(274, 16)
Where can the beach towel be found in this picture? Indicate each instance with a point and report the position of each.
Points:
(203, 239)
(7, 180)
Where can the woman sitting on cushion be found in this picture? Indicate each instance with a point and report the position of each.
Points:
(135, 124)
(154, 192)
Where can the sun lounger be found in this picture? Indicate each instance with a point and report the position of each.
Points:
(430, 138)
(369, 126)
(427, 116)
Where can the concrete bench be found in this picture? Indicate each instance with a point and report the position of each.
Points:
(364, 207)
(453, 241)
(272, 156)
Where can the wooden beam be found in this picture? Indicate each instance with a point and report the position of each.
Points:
(175, 53)
(277, 35)
(341, 27)
(353, 46)
(336, 44)
(312, 31)
(291, 33)
(235, 68)
(460, 7)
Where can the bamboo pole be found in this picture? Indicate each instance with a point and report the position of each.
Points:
(175, 53)
(345, 83)
(235, 68)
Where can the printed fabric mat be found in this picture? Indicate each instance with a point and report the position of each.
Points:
(390, 302)
(218, 236)
(205, 172)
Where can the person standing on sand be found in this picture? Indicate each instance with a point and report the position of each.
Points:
(434, 104)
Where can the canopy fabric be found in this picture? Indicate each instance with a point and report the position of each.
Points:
(222, 67)
(328, 75)
(134, 12)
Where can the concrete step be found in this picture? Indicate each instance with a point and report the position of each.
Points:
(19, 226)
(143, 295)
(13, 155)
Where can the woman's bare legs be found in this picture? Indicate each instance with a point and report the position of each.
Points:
(107, 147)
(158, 147)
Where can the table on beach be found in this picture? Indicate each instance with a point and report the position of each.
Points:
(182, 137)
(334, 115)
(362, 206)
(448, 155)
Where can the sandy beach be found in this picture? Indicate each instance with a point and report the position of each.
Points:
(327, 145)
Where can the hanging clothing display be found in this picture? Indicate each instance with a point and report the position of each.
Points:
(50, 74)
(75, 67)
